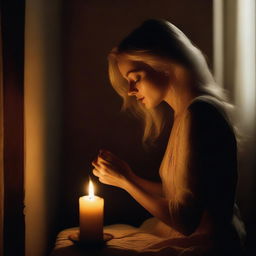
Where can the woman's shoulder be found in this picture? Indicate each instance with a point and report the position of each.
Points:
(207, 106)
(209, 112)
(206, 101)
(210, 129)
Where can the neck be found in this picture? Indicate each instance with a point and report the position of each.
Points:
(180, 102)
(181, 91)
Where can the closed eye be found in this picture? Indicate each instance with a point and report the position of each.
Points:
(133, 81)
(137, 80)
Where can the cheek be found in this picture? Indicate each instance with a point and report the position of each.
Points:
(157, 82)
(153, 96)
(155, 91)
(160, 79)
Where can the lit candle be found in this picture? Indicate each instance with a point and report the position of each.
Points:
(91, 217)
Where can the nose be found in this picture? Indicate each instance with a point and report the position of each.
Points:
(132, 90)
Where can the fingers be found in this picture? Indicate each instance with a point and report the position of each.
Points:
(96, 172)
(110, 157)
(96, 165)
(102, 178)
(101, 170)
(103, 161)
(107, 155)
(99, 174)
(102, 165)
(106, 169)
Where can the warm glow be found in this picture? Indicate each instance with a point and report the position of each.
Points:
(91, 190)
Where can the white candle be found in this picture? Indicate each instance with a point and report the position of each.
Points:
(91, 217)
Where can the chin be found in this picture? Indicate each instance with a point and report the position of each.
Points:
(148, 107)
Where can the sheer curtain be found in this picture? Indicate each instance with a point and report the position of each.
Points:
(234, 68)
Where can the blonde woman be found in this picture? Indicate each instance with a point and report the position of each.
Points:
(194, 205)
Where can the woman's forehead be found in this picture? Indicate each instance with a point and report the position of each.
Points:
(126, 66)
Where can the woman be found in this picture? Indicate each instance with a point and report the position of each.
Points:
(194, 205)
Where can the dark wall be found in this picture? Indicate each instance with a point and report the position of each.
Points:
(12, 219)
(91, 117)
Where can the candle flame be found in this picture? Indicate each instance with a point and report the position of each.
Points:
(91, 190)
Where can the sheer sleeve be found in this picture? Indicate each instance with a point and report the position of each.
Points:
(205, 168)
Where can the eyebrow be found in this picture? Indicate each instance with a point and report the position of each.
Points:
(133, 70)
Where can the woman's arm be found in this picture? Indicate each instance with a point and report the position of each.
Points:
(115, 172)
(154, 188)
(146, 193)
(157, 205)
(105, 158)
(182, 217)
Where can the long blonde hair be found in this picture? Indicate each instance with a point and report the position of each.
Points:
(156, 43)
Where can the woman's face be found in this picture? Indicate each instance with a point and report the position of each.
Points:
(146, 84)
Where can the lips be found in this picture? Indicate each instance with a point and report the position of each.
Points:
(140, 99)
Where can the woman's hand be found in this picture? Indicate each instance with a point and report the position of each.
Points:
(111, 170)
